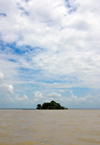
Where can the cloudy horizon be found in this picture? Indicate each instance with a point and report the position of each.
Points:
(49, 50)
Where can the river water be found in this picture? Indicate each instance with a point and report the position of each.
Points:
(50, 127)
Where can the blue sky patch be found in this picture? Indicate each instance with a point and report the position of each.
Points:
(3, 14)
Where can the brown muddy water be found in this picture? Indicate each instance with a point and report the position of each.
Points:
(49, 127)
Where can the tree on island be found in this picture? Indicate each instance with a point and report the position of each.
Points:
(38, 106)
(51, 105)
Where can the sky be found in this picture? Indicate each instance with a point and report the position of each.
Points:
(49, 50)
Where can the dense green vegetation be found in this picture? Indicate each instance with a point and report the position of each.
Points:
(51, 105)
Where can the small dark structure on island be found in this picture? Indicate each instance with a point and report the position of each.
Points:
(51, 105)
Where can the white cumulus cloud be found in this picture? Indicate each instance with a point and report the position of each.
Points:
(24, 97)
(1, 75)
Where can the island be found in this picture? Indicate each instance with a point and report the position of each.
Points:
(50, 105)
